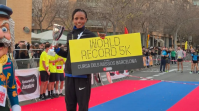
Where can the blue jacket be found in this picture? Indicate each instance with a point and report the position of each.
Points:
(164, 53)
(195, 57)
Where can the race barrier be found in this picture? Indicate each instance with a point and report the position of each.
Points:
(28, 81)
(27, 84)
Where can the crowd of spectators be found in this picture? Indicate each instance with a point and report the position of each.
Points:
(25, 50)
(156, 52)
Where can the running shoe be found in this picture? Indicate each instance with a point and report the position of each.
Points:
(61, 94)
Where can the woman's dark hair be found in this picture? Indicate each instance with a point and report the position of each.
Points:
(79, 10)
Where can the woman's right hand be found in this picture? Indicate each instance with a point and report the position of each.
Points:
(101, 35)
(56, 46)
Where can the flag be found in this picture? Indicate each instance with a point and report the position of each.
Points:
(147, 41)
(186, 45)
(126, 31)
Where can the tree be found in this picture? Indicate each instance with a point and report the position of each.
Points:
(111, 12)
(44, 13)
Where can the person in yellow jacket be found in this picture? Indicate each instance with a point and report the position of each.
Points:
(44, 72)
(60, 74)
(52, 78)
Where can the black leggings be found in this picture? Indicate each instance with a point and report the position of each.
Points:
(77, 90)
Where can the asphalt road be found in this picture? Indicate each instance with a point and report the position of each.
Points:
(172, 75)
(153, 73)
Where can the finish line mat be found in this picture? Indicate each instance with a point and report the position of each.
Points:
(132, 95)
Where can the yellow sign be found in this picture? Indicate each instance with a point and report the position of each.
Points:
(186, 45)
(116, 46)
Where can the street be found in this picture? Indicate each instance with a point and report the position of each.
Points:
(172, 75)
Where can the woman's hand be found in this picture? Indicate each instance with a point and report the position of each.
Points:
(102, 35)
(56, 46)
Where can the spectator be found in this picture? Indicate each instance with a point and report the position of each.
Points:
(59, 45)
(31, 51)
(28, 45)
(180, 56)
(41, 46)
(146, 53)
(163, 60)
(173, 56)
(17, 51)
(23, 54)
(37, 53)
(159, 51)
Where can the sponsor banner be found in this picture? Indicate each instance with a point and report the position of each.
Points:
(27, 84)
(119, 74)
(94, 55)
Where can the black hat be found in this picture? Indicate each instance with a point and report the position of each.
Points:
(5, 11)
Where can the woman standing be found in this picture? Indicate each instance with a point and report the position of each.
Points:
(77, 88)
(173, 56)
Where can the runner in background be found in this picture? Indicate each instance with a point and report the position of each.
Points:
(195, 57)
(163, 60)
(59, 75)
(180, 56)
(166, 49)
(168, 60)
(52, 68)
(44, 72)
(192, 66)
(173, 56)
(146, 53)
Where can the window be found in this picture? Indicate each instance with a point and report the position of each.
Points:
(3, 2)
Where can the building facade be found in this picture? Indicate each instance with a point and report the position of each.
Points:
(22, 15)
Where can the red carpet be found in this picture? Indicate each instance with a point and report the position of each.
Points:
(188, 103)
(98, 95)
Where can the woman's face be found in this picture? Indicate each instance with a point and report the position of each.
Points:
(79, 19)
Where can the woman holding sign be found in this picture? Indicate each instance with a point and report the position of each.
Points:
(77, 88)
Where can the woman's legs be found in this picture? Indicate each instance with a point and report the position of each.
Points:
(77, 90)
(168, 66)
(70, 95)
(197, 67)
(172, 58)
(182, 66)
(161, 64)
(178, 65)
(83, 91)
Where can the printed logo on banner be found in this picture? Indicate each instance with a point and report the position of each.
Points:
(18, 85)
(28, 84)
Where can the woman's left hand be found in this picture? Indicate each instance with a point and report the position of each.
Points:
(102, 35)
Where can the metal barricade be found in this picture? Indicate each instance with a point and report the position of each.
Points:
(30, 62)
(23, 63)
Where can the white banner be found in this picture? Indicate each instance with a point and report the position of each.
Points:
(117, 74)
(28, 79)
